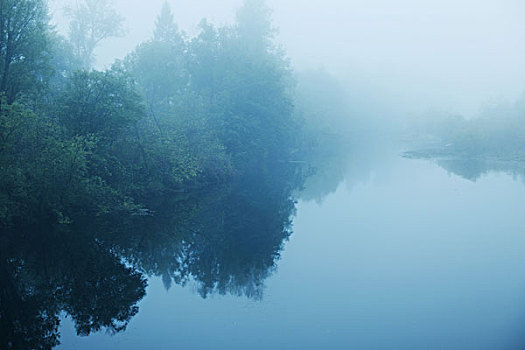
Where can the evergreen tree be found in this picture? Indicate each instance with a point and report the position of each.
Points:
(165, 28)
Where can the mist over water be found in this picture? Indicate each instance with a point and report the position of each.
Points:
(387, 257)
(413, 56)
(262, 174)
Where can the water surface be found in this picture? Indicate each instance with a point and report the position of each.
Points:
(400, 254)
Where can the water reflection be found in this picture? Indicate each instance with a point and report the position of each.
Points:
(225, 240)
(47, 271)
(472, 168)
(351, 163)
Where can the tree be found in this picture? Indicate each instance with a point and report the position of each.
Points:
(105, 106)
(254, 25)
(23, 44)
(165, 27)
(44, 176)
(249, 102)
(99, 103)
(176, 136)
(92, 21)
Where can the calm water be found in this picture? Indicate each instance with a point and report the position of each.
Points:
(402, 254)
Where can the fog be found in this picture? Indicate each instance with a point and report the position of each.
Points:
(415, 56)
(284, 174)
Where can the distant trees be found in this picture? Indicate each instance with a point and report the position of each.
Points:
(165, 28)
(178, 143)
(254, 26)
(246, 84)
(496, 131)
(225, 102)
(91, 22)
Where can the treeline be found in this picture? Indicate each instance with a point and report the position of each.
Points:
(183, 160)
(498, 131)
(179, 112)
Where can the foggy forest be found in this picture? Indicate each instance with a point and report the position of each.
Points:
(251, 174)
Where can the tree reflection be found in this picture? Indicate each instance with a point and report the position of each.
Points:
(344, 162)
(46, 272)
(226, 240)
(472, 168)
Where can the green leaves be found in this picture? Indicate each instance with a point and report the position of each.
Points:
(197, 111)
(99, 103)
(23, 46)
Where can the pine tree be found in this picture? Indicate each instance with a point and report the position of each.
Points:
(165, 28)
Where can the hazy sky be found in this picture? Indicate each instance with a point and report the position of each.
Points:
(452, 55)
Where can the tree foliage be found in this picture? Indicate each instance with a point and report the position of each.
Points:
(498, 131)
(165, 28)
(92, 21)
(85, 163)
(23, 46)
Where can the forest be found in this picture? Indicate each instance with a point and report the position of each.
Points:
(187, 159)
(155, 161)
(497, 131)
(178, 112)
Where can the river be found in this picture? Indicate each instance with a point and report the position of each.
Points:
(394, 253)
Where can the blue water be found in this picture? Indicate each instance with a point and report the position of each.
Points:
(404, 256)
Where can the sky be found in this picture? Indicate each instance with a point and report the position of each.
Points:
(454, 56)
